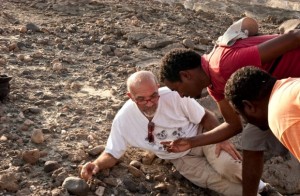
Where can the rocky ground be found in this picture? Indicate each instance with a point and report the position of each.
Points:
(69, 61)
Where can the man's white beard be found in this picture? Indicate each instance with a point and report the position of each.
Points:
(151, 115)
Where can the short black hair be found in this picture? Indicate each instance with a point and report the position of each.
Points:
(177, 60)
(248, 83)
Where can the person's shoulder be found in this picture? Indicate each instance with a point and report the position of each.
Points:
(164, 90)
(129, 105)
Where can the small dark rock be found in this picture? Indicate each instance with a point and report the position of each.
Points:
(51, 166)
(32, 27)
(4, 86)
(131, 185)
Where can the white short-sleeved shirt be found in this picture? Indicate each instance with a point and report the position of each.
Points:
(175, 117)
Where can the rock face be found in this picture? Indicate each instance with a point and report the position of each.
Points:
(69, 60)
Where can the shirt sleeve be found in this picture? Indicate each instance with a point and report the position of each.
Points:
(236, 58)
(116, 144)
(232, 59)
(291, 139)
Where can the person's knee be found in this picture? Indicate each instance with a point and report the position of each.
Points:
(229, 168)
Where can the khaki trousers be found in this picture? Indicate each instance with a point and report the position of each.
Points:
(202, 167)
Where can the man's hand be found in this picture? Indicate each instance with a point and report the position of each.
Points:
(88, 170)
(179, 145)
(229, 148)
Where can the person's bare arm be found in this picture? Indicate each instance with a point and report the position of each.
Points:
(209, 121)
(231, 127)
(253, 162)
(273, 48)
(222, 132)
(104, 161)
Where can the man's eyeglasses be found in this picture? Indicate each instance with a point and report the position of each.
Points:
(153, 99)
(151, 126)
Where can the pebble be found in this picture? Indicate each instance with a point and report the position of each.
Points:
(188, 43)
(8, 181)
(161, 186)
(3, 138)
(28, 122)
(3, 61)
(23, 29)
(100, 191)
(135, 172)
(111, 181)
(32, 27)
(148, 158)
(31, 156)
(131, 185)
(135, 164)
(51, 166)
(76, 186)
(57, 66)
(37, 136)
(96, 150)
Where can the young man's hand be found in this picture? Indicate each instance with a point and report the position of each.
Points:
(179, 145)
(229, 148)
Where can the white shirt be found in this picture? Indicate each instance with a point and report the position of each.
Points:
(174, 118)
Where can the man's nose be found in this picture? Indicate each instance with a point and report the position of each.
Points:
(149, 103)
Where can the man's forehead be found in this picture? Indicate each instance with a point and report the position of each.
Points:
(143, 95)
(145, 90)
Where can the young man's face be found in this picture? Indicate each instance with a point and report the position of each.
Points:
(254, 115)
(184, 89)
(191, 84)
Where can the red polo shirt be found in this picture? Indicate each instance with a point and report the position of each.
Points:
(221, 62)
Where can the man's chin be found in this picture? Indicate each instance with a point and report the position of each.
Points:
(197, 97)
(264, 128)
(149, 115)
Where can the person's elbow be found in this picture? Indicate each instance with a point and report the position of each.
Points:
(235, 124)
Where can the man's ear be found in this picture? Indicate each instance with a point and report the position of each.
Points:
(185, 75)
(129, 95)
(249, 107)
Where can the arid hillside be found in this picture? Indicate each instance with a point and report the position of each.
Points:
(69, 60)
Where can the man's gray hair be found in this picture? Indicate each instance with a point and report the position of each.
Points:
(139, 78)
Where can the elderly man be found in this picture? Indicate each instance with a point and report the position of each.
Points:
(153, 115)
(266, 102)
(188, 73)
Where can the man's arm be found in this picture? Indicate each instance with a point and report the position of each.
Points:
(273, 48)
(231, 127)
(209, 121)
(253, 162)
(104, 161)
